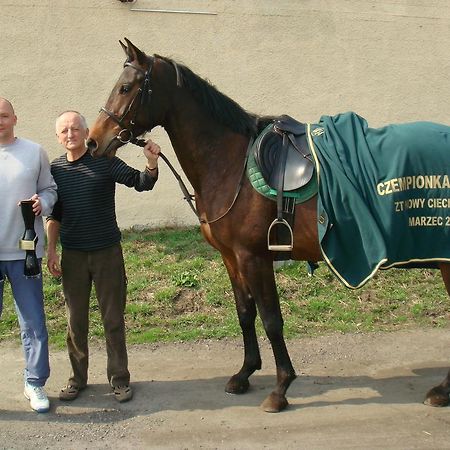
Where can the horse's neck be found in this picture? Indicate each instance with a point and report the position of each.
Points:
(212, 161)
(206, 152)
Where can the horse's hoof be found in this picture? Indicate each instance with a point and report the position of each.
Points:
(437, 396)
(274, 403)
(237, 385)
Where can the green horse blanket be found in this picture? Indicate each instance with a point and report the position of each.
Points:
(384, 195)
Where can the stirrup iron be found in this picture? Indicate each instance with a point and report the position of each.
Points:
(280, 247)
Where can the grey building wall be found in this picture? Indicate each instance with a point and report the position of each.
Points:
(389, 61)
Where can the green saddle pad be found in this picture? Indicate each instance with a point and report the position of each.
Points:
(257, 181)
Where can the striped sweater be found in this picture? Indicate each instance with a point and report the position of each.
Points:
(86, 199)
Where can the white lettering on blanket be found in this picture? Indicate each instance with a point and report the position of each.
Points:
(434, 208)
(415, 203)
(413, 182)
(431, 206)
(429, 221)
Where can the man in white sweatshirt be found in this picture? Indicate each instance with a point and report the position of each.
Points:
(25, 175)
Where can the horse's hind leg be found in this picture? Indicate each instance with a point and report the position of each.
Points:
(439, 395)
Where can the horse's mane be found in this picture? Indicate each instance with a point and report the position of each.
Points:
(221, 107)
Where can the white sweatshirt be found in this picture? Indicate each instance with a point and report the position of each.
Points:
(24, 171)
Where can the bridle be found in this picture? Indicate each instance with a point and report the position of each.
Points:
(127, 134)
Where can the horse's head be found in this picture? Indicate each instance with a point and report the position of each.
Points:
(154, 90)
(127, 113)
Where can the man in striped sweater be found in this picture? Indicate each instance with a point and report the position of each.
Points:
(84, 219)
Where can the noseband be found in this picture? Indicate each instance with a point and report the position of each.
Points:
(126, 134)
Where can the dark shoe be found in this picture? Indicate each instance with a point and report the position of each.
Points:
(122, 393)
(69, 392)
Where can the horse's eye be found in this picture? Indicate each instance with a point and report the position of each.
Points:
(125, 88)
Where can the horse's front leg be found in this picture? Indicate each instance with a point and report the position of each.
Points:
(255, 280)
(246, 310)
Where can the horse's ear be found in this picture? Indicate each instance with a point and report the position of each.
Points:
(133, 53)
(124, 47)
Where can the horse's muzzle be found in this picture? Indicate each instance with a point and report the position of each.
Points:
(92, 146)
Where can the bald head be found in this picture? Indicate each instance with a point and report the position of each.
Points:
(8, 121)
(72, 114)
(6, 103)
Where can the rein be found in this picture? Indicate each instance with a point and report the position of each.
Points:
(126, 135)
(187, 196)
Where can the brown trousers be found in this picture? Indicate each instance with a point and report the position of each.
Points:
(105, 268)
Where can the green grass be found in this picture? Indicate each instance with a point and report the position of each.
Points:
(178, 290)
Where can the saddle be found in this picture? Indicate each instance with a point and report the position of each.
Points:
(283, 157)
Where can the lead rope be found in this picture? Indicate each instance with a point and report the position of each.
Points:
(187, 196)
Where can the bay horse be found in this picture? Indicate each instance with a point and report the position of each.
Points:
(210, 134)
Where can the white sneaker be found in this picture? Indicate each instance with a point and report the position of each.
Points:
(38, 398)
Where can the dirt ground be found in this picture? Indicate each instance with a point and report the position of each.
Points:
(361, 391)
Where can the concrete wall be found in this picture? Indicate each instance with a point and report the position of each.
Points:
(388, 60)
